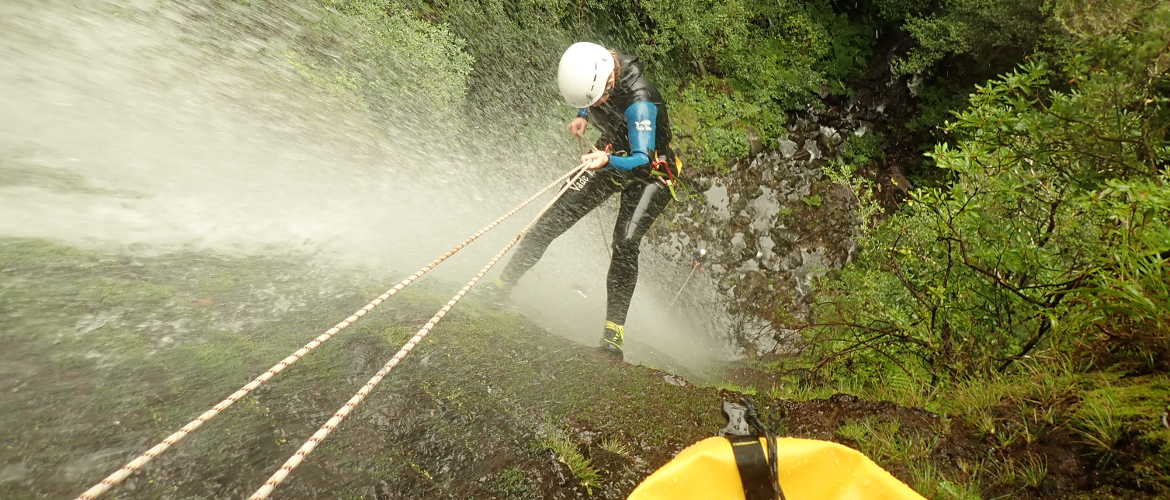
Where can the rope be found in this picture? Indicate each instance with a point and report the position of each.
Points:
(597, 214)
(126, 470)
(696, 263)
(694, 268)
(331, 424)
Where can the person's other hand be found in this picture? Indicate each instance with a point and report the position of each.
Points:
(595, 159)
(577, 126)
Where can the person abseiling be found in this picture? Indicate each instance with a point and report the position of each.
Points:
(633, 157)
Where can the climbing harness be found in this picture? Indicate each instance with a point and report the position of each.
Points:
(137, 463)
(667, 174)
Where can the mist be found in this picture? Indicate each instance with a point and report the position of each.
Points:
(133, 128)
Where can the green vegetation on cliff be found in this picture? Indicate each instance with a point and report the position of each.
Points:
(1020, 293)
(1029, 291)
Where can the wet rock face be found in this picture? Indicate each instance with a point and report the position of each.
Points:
(773, 222)
(771, 226)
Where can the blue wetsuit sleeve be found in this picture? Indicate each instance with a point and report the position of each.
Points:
(642, 126)
(583, 112)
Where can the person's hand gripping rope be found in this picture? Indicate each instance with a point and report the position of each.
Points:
(594, 160)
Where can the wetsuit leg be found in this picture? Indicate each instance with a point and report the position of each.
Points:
(570, 208)
(641, 204)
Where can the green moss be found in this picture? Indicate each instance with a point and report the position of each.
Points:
(1121, 420)
(813, 200)
(1136, 398)
(742, 389)
(513, 483)
(172, 335)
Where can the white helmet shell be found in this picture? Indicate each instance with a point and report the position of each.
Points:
(583, 73)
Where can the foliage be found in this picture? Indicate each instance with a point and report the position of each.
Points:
(863, 150)
(1053, 231)
(732, 387)
(930, 482)
(887, 442)
(615, 445)
(1099, 423)
(713, 121)
(941, 49)
(728, 68)
(802, 392)
(845, 173)
(579, 465)
(984, 33)
(1042, 258)
(1130, 297)
(515, 45)
(761, 48)
(401, 67)
(751, 61)
(982, 30)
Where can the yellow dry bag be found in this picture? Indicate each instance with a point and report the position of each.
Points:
(808, 469)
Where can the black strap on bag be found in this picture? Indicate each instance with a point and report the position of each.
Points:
(753, 467)
(756, 463)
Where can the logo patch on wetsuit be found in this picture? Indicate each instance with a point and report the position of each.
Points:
(642, 126)
(583, 180)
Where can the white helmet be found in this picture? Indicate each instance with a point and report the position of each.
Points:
(584, 73)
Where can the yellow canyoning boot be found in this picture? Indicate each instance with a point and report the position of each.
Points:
(497, 292)
(611, 340)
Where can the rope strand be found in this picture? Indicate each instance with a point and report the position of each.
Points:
(137, 463)
(694, 267)
(295, 460)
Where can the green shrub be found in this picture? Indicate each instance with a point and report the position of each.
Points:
(732, 68)
(1131, 294)
(985, 31)
(1052, 231)
(401, 66)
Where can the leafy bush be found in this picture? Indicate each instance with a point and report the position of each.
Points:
(753, 62)
(401, 66)
(953, 46)
(982, 30)
(515, 45)
(711, 123)
(729, 68)
(1053, 231)
(1130, 297)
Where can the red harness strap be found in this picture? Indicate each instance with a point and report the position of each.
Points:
(662, 169)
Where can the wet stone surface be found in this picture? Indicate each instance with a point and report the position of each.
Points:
(488, 406)
(772, 225)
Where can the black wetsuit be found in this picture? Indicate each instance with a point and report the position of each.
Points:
(634, 121)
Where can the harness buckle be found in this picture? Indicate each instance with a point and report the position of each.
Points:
(662, 170)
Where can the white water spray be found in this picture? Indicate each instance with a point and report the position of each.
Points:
(127, 128)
